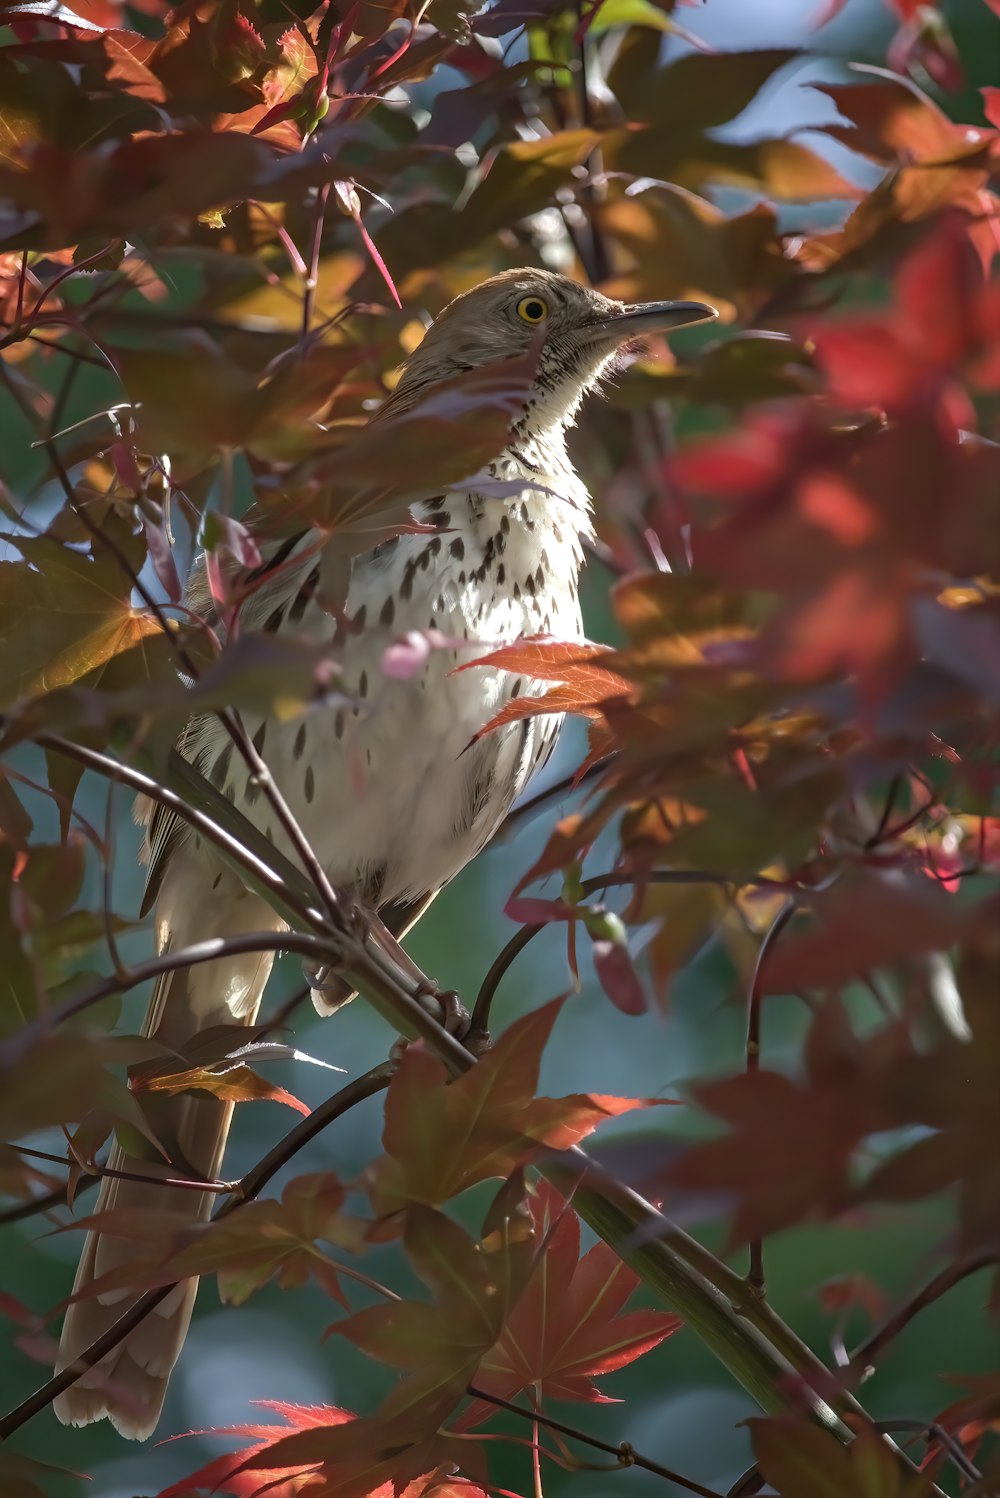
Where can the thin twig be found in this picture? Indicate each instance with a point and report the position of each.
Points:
(41, 1204)
(864, 1355)
(105, 764)
(613, 880)
(930, 1429)
(525, 810)
(98, 1170)
(211, 950)
(244, 1190)
(756, 1282)
(627, 1456)
(241, 740)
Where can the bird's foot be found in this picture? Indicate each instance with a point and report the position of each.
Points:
(444, 1005)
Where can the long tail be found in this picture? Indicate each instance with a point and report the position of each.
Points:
(196, 902)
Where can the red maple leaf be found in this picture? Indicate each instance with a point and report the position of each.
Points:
(568, 1325)
(441, 1136)
(583, 684)
(946, 318)
(229, 1474)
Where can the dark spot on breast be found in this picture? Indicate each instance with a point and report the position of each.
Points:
(363, 684)
(309, 784)
(300, 741)
(501, 575)
(540, 577)
(432, 548)
(388, 611)
(274, 620)
(406, 586)
(272, 563)
(304, 596)
(545, 559)
(217, 880)
(504, 525)
(338, 723)
(529, 585)
(457, 548)
(461, 577)
(359, 619)
(259, 737)
(517, 591)
(515, 690)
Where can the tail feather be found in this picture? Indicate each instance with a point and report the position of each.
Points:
(128, 1385)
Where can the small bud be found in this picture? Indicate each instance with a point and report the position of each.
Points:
(605, 925)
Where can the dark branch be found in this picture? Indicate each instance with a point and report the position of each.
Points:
(865, 1354)
(627, 1456)
(755, 1273)
(245, 1190)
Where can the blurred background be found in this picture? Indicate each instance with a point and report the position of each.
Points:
(680, 1408)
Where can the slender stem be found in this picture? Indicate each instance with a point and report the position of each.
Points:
(251, 867)
(245, 1190)
(930, 1429)
(484, 999)
(60, 1382)
(756, 1282)
(211, 950)
(627, 1456)
(46, 1203)
(612, 880)
(534, 804)
(865, 1354)
(312, 276)
(222, 1187)
(229, 720)
(366, 1086)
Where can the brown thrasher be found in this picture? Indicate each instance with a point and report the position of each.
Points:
(393, 803)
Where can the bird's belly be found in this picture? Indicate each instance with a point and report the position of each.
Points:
(393, 793)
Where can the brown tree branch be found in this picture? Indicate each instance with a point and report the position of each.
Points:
(755, 1272)
(245, 1190)
(16, 1046)
(864, 1355)
(222, 1188)
(625, 1453)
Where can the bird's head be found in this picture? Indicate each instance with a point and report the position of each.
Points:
(578, 334)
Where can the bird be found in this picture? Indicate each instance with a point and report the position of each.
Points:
(397, 791)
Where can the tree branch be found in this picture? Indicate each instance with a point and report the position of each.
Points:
(864, 1355)
(755, 1272)
(625, 1453)
(245, 1190)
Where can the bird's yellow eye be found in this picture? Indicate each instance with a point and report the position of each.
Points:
(533, 309)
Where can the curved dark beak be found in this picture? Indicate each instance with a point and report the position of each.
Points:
(642, 318)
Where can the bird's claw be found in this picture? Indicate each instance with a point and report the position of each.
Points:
(445, 1006)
